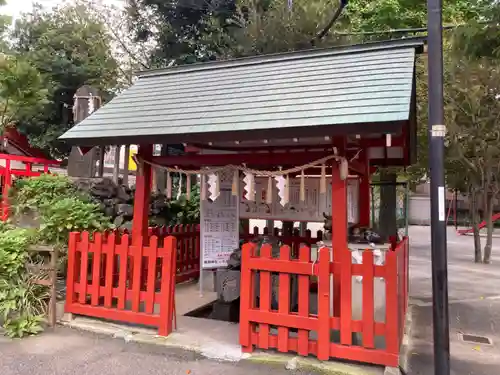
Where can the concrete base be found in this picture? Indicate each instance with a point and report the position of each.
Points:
(392, 371)
(404, 350)
(207, 280)
(219, 341)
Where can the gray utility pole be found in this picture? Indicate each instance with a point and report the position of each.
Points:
(437, 131)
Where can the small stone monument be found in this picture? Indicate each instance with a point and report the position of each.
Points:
(86, 101)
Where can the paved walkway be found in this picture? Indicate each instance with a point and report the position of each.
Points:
(474, 294)
(69, 352)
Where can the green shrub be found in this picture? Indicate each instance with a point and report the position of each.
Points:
(68, 215)
(22, 301)
(38, 193)
(59, 207)
(185, 211)
(13, 245)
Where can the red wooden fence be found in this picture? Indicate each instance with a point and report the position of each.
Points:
(294, 241)
(258, 321)
(145, 295)
(188, 248)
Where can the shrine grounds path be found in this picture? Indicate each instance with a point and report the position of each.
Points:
(70, 352)
(474, 291)
(474, 297)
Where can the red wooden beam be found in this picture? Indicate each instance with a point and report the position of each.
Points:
(141, 198)
(270, 159)
(381, 142)
(29, 159)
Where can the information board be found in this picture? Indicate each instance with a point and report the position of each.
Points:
(219, 227)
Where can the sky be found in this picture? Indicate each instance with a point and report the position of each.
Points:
(15, 7)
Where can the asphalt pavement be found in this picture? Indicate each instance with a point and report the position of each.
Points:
(69, 351)
(474, 305)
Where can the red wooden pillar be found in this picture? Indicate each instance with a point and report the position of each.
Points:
(7, 181)
(339, 229)
(364, 193)
(142, 193)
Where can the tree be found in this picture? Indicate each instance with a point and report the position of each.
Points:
(22, 91)
(481, 36)
(182, 31)
(70, 47)
(473, 110)
(4, 23)
(131, 55)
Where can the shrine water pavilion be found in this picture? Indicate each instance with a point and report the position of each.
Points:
(258, 129)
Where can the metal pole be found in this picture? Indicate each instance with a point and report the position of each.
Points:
(437, 132)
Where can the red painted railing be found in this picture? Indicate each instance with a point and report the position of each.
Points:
(188, 248)
(144, 295)
(295, 241)
(7, 172)
(258, 321)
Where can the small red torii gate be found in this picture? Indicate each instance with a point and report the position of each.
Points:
(8, 170)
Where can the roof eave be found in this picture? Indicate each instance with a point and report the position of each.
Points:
(242, 135)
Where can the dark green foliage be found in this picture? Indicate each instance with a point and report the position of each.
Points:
(70, 47)
(58, 206)
(22, 301)
(183, 31)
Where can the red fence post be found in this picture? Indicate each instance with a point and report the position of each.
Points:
(323, 353)
(122, 251)
(152, 254)
(345, 297)
(96, 268)
(169, 252)
(304, 283)
(110, 269)
(197, 249)
(247, 297)
(84, 256)
(368, 303)
(284, 300)
(392, 308)
(264, 296)
(73, 267)
(137, 270)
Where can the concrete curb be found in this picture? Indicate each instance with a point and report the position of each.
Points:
(292, 363)
(404, 353)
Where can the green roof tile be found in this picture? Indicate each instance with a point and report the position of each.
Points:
(366, 83)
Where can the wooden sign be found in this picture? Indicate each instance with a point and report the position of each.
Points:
(219, 228)
(311, 210)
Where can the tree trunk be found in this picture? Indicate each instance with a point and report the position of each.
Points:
(387, 221)
(475, 227)
(489, 227)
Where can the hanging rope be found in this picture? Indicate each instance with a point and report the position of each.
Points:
(210, 170)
